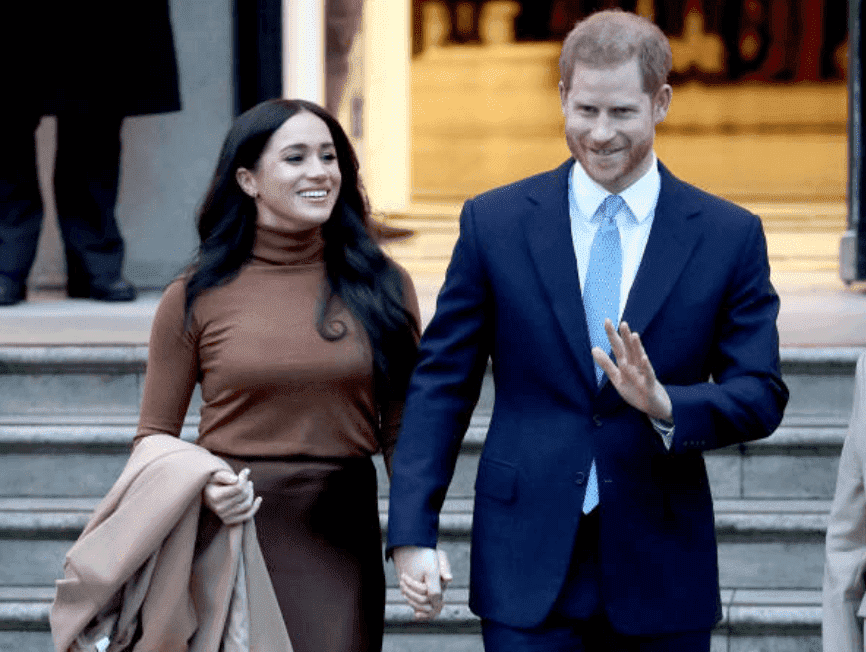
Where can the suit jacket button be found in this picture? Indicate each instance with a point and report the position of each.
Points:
(578, 479)
(596, 420)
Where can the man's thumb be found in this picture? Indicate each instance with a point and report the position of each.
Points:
(431, 579)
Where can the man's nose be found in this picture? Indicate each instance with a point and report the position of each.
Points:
(602, 130)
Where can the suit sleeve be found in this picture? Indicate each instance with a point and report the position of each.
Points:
(747, 397)
(443, 392)
(845, 559)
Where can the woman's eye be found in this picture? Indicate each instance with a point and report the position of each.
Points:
(329, 156)
(294, 159)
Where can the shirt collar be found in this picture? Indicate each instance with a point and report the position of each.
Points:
(640, 197)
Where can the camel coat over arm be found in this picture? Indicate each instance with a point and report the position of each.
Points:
(152, 565)
(844, 606)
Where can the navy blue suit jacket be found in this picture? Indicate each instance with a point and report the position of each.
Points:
(706, 311)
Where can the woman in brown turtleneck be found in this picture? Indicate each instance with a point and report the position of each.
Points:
(302, 334)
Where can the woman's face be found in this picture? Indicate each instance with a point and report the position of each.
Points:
(297, 178)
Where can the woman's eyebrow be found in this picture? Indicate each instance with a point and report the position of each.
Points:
(304, 146)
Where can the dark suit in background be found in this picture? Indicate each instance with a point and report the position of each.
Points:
(91, 64)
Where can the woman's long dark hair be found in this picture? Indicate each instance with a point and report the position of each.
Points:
(357, 269)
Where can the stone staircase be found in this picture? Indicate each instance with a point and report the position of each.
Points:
(67, 415)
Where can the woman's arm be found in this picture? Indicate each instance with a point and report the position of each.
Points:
(172, 372)
(172, 368)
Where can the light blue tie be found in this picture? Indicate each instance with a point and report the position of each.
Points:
(601, 300)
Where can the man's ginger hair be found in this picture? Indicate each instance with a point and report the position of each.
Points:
(613, 37)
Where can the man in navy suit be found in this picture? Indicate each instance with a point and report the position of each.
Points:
(593, 523)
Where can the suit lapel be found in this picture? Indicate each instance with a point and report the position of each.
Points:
(671, 241)
(548, 232)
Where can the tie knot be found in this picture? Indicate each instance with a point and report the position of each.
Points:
(610, 207)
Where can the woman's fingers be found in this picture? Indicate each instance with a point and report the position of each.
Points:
(235, 502)
(226, 497)
(415, 593)
(245, 515)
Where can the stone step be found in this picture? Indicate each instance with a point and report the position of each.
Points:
(108, 380)
(762, 543)
(787, 620)
(82, 455)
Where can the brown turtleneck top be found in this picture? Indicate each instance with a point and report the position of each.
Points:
(271, 385)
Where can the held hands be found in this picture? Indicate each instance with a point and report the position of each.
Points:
(424, 573)
(231, 496)
(633, 374)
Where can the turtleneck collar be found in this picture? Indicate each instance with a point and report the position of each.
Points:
(286, 248)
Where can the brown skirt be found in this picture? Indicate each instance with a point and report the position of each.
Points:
(318, 527)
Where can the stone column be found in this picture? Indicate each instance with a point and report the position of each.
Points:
(304, 50)
(852, 250)
(386, 128)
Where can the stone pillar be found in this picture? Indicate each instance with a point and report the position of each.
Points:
(386, 128)
(852, 250)
(304, 50)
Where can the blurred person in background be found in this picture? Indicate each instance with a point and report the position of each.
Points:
(844, 596)
(90, 64)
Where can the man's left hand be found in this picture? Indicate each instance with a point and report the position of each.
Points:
(633, 374)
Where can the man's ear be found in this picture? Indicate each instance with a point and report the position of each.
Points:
(661, 103)
(247, 181)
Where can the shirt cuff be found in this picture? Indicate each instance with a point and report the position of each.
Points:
(665, 429)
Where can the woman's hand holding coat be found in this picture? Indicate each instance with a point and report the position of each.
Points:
(231, 497)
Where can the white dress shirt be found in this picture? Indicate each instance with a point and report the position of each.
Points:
(634, 221)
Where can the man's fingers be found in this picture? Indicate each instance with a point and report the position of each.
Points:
(434, 591)
(637, 354)
(612, 336)
(445, 575)
(631, 342)
(602, 359)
